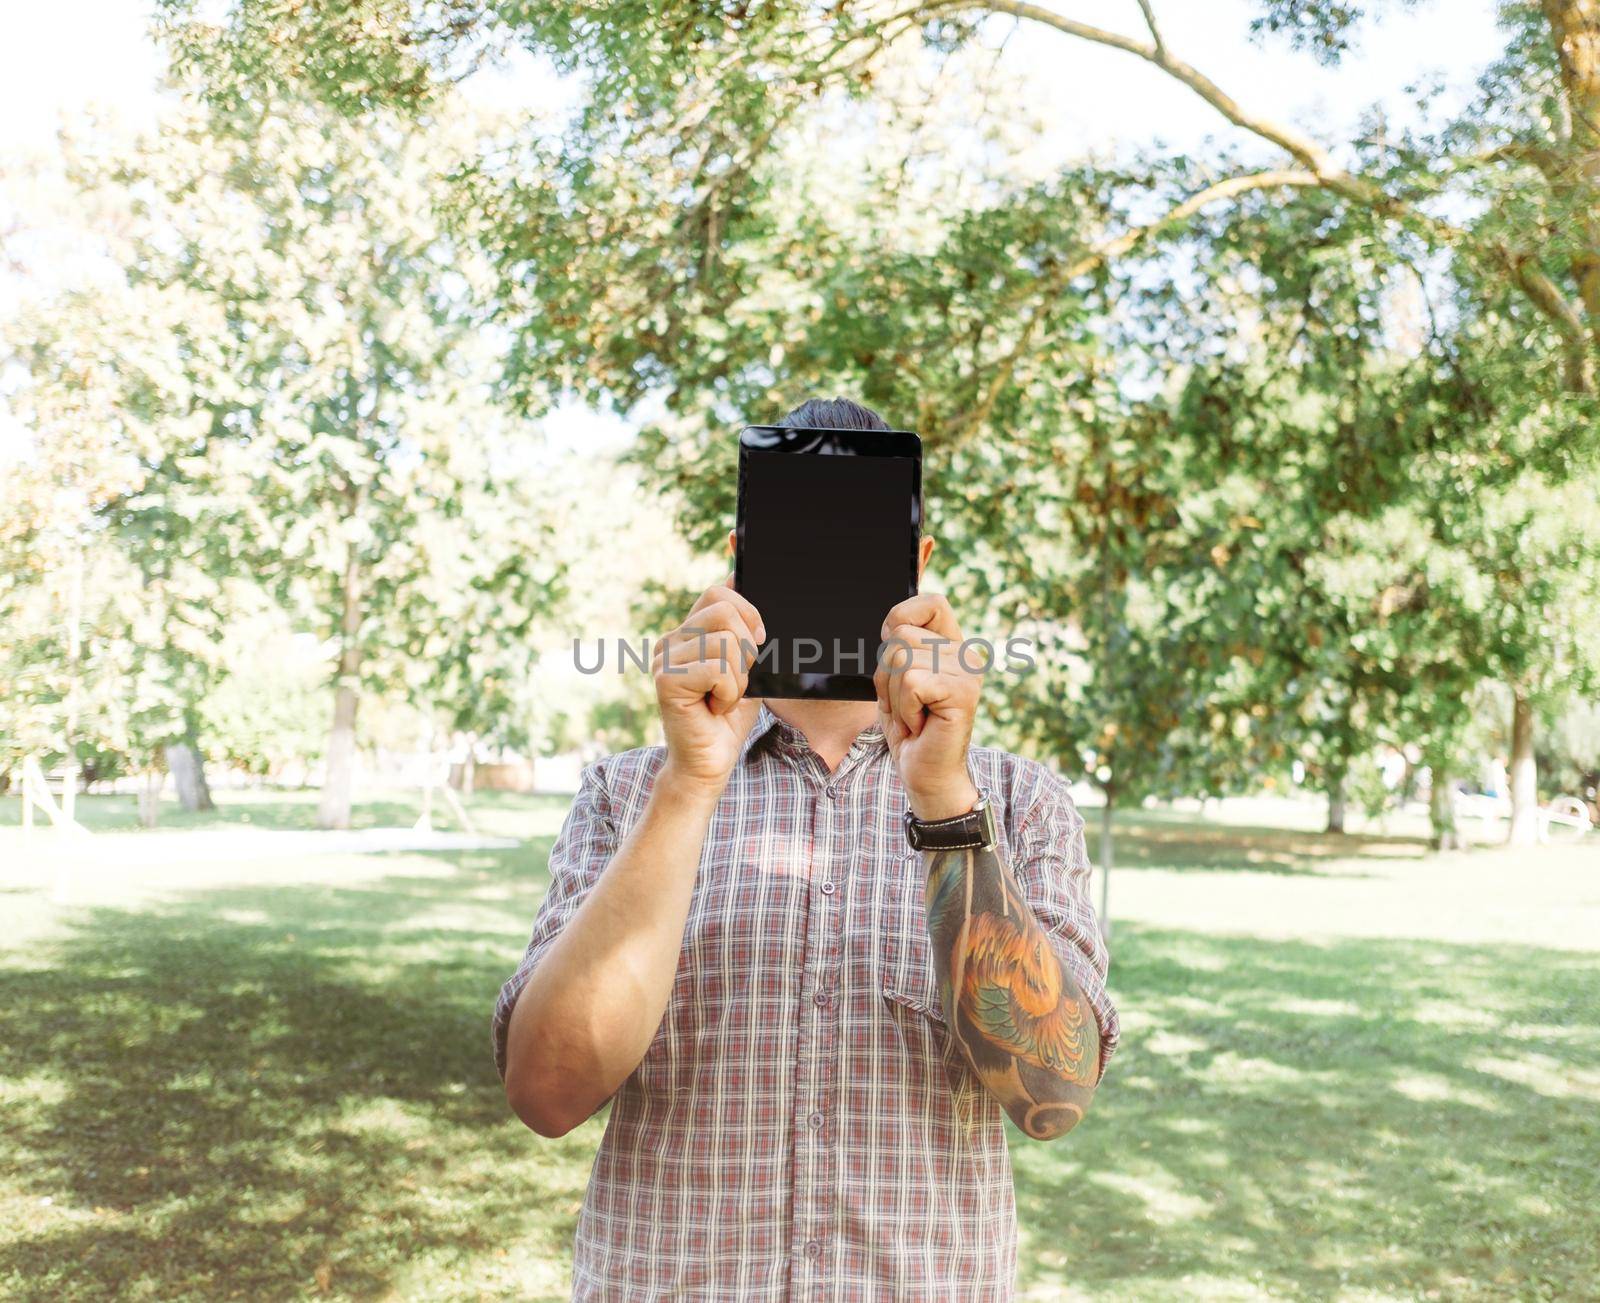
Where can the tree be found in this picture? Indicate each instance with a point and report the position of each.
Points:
(345, 446)
(264, 715)
(724, 285)
(714, 89)
(111, 622)
(1572, 749)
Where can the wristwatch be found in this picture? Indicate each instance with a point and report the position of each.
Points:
(966, 831)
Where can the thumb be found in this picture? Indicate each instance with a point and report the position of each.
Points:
(894, 731)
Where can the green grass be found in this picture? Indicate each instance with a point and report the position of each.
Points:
(248, 1087)
(1359, 1119)
(277, 808)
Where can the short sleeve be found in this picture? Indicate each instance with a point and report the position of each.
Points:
(1051, 860)
(585, 845)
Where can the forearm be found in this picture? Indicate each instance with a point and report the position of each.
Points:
(594, 1003)
(1016, 1009)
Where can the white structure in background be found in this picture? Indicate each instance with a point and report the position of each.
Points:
(1565, 818)
(435, 776)
(36, 794)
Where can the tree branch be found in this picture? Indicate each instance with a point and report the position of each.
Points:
(1555, 166)
(1097, 257)
(1545, 296)
(1540, 289)
(1155, 32)
(1306, 151)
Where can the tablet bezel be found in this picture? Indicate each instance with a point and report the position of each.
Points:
(790, 441)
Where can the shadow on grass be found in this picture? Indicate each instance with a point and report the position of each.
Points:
(1146, 840)
(1314, 1121)
(269, 1093)
(265, 1094)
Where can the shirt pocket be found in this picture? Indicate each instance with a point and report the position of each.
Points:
(934, 1067)
(905, 974)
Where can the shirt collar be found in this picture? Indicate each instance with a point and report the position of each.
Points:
(765, 722)
(786, 736)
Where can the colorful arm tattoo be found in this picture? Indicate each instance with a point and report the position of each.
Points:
(1016, 1009)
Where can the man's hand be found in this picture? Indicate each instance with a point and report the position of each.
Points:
(701, 669)
(926, 703)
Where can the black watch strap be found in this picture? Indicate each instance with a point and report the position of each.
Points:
(966, 831)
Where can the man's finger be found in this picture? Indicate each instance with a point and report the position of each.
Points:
(715, 617)
(924, 647)
(912, 685)
(892, 731)
(725, 593)
(721, 683)
(895, 654)
(718, 646)
(727, 691)
(693, 678)
(903, 705)
(927, 611)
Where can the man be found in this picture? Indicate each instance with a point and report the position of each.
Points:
(808, 1030)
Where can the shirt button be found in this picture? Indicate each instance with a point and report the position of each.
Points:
(833, 793)
(821, 998)
(816, 1125)
(813, 1249)
(829, 887)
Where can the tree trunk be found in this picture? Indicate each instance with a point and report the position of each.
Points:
(69, 762)
(1524, 776)
(1105, 866)
(1336, 805)
(1575, 33)
(1442, 809)
(469, 766)
(189, 776)
(339, 780)
(150, 798)
(430, 773)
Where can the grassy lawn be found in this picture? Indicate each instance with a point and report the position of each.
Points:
(1339, 1079)
(285, 809)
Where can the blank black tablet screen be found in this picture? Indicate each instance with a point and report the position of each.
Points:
(827, 550)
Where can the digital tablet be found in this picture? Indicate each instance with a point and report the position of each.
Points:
(826, 543)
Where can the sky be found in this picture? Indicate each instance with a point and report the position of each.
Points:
(67, 56)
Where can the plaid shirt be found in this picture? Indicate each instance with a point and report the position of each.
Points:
(803, 1125)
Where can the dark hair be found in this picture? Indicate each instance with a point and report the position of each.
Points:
(833, 414)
